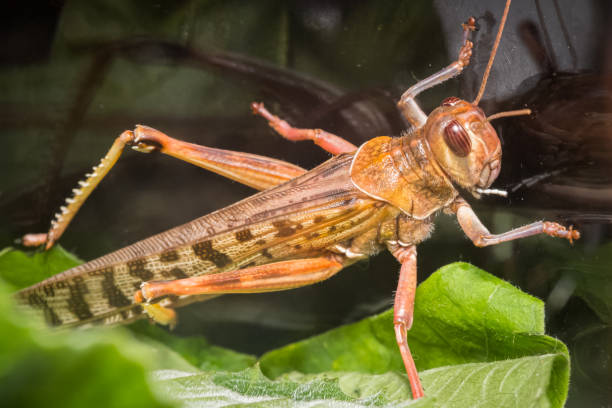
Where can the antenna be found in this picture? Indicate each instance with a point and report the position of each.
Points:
(493, 51)
(519, 112)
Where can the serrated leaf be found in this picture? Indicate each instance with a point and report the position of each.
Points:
(516, 382)
(476, 339)
(462, 315)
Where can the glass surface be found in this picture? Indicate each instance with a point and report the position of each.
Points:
(74, 75)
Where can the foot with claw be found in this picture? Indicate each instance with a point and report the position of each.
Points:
(559, 231)
(156, 312)
(34, 240)
(466, 51)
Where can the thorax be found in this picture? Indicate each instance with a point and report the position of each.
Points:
(402, 172)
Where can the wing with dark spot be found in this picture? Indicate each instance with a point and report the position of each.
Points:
(297, 219)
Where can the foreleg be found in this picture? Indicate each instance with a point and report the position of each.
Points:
(480, 235)
(408, 105)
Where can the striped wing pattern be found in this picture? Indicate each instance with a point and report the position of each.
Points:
(295, 220)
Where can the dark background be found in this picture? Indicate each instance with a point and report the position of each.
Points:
(74, 74)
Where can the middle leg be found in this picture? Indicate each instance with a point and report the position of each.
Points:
(328, 141)
(403, 309)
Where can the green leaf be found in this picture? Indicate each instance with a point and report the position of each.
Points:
(196, 350)
(98, 368)
(23, 269)
(477, 340)
(517, 382)
(462, 315)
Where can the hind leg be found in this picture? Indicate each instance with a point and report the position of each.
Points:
(256, 171)
(256, 279)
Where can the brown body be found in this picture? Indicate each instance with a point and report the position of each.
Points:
(306, 217)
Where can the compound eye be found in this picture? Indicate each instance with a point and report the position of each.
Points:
(451, 101)
(457, 138)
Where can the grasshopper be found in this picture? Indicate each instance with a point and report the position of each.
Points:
(303, 226)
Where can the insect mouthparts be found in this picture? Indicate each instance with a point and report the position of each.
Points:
(492, 191)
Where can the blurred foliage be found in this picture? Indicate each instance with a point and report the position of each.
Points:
(476, 339)
(102, 368)
(593, 281)
(21, 269)
(196, 350)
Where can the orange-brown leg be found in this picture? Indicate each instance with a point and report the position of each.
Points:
(67, 212)
(408, 105)
(263, 278)
(255, 171)
(328, 141)
(480, 235)
(403, 309)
